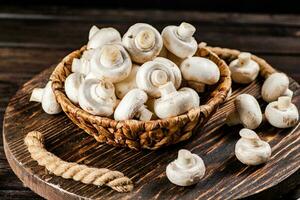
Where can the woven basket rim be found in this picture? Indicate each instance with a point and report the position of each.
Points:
(217, 96)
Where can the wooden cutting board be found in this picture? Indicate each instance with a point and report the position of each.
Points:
(225, 178)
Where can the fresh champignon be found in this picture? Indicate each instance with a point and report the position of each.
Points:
(173, 103)
(250, 149)
(103, 36)
(153, 74)
(199, 71)
(128, 83)
(243, 69)
(247, 112)
(112, 63)
(186, 170)
(133, 106)
(143, 42)
(72, 83)
(282, 113)
(179, 40)
(276, 85)
(47, 98)
(97, 97)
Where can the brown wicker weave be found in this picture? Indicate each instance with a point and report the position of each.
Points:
(230, 54)
(136, 134)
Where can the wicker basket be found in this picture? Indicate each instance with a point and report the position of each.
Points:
(136, 134)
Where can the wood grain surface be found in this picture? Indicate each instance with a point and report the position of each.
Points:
(36, 37)
(225, 178)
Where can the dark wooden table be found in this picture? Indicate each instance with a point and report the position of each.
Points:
(35, 38)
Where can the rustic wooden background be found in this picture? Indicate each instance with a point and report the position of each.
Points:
(34, 37)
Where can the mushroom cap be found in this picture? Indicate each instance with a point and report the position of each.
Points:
(175, 103)
(128, 83)
(282, 118)
(97, 97)
(251, 150)
(274, 86)
(186, 170)
(143, 42)
(94, 29)
(179, 40)
(153, 74)
(200, 70)
(49, 103)
(248, 110)
(72, 84)
(111, 62)
(130, 104)
(243, 69)
(103, 36)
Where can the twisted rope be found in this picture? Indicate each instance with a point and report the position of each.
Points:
(70, 170)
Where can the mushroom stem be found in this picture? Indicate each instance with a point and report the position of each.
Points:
(185, 31)
(37, 94)
(167, 89)
(145, 40)
(233, 119)
(144, 114)
(184, 158)
(93, 30)
(99, 92)
(284, 102)
(111, 56)
(288, 93)
(243, 58)
(159, 77)
(251, 136)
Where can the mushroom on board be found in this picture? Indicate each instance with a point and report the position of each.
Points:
(276, 85)
(179, 40)
(111, 62)
(99, 37)
(186, 170)
(152, 74)
(133, 105)
(250, 149)
(128, 83)
(243, 69)
(97, 97)
(247, 112)
(173, 103)
(143, 42)
(72, 84)
(199, 71)
(47, 98)
(282, 113)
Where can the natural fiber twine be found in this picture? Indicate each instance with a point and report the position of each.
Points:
(136, 134)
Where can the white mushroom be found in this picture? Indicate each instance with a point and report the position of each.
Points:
(47, 98)
(247, 112)
(199, 71)
(179, 40)
(187, 169)
(143, 42)
(99, 37)
(97, 97)
(72, 83)
(153, 74)
(276, 85)
(250, 149)
(112, 62)
(81, 66)
(243, 69)
(173, 103)
(128, 83)
(132, 105)
(282, 113)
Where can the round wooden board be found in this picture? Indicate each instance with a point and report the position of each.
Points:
(225, 178)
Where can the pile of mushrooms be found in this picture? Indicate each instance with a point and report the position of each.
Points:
(140, 75)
